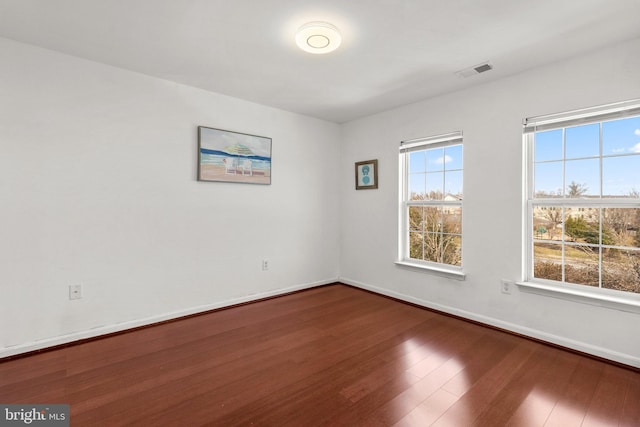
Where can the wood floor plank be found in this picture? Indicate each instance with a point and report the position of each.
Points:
(430, 410)
(471, 405)
(329, 356)
(606, 405)
(630, 414)
(544, 388)
(533, 375)
(481, 349)
(571, 406)
(492, 346)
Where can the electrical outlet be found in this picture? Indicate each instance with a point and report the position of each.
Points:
(505, 287)
(75, 292)
(265, 264)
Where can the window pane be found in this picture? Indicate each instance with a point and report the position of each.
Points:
(417, 186)
(621, 227)
(435, 159)
(415, 218)
(583, 141)
(621, 270)
(435, 186)
(540, 223)
(547, 261)
(548, 179)
(452, 219)
(620, 177)
(453, 184)
(621, 136)
(582, 225)
(452, 249)
(415, 245)
(581, 265)
(548, 145)
(547, 223)
(432, 217)
(432, 247)
(453, 157)
(582, 178)
(417, 161)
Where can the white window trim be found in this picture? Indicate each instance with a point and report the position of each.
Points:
(579, 293)
(617, 300)
(444, 270)
(437, 269)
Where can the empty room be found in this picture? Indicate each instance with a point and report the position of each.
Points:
(320, 213)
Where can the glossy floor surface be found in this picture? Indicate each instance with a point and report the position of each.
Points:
(331, 356)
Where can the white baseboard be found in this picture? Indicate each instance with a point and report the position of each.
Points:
(120, 327)
(604, 353)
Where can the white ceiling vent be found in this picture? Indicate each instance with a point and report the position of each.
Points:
(476, 69)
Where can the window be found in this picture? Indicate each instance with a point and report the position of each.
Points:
(431, 203)
(583, 198)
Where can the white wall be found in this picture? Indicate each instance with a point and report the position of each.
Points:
(490, 117)
(98, 187)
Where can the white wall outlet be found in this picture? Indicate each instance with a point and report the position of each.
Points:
(265, 264)
(75, 292)
(505, 287)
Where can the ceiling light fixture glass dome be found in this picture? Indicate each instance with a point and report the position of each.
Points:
(318, 37)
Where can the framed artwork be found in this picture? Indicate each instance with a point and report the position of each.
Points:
(367, 175)
(228, 156)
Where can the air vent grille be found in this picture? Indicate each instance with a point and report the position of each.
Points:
(476, 69)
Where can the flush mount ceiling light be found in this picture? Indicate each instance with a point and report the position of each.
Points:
(318, 37)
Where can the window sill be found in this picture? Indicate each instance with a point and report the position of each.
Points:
(586, 296)
(444, 272)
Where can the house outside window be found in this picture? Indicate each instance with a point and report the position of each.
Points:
(431, 200)
(583, 199)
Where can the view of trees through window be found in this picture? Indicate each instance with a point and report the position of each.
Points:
(435, 234)
(577, 245)
(585, 208)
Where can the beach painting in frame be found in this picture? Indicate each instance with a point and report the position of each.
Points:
(228, 156)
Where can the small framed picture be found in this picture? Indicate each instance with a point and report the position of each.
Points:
(367, 175)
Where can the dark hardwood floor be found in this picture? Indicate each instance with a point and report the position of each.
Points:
(334, 356)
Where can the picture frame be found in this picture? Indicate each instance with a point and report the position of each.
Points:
(228, 156)
(367, 175)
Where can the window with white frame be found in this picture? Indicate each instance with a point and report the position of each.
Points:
(431, 202)
(583, 198)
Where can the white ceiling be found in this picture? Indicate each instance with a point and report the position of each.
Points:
(394, 52)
